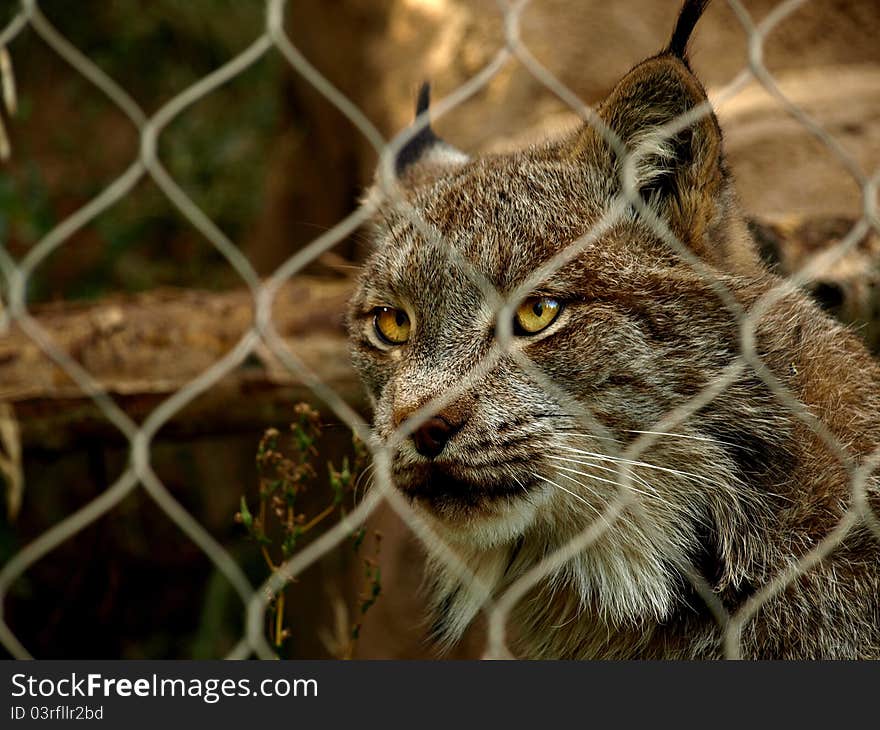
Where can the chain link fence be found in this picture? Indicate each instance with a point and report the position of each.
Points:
(140, 474)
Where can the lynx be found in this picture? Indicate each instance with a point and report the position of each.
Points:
(521, 460)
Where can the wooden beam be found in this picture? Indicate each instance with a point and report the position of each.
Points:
(144, 348)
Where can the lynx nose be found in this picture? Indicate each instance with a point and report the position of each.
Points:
(431, 436)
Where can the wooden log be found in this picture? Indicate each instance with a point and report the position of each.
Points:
(143, 348)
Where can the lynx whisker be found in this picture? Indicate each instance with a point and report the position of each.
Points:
(704, 439)
(594, 465)
(365, 479)
(594, 462)
(652, 494)
(633, 462)
(568, 491)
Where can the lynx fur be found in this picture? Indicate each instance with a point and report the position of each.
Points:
(738, 493)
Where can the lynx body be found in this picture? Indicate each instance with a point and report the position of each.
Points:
(626, 330)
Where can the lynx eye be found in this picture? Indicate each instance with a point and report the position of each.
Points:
(391, 325)
(536, 314)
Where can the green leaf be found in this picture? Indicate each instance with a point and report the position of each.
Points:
(247, 519)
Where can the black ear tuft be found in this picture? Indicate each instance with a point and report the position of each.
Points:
(687, 19)
(423, 140)
(424, 98)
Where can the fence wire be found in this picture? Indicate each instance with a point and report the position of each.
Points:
(139, 472)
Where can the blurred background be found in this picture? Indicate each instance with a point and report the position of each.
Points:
(145, 303)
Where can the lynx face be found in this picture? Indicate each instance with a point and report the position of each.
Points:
(610, 330)
(625, 327)
(482, 460)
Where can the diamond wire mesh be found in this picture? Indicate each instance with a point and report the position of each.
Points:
(139, 471)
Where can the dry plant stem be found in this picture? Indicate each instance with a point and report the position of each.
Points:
(318, 518)
(372, 589)
(279, 620)
(285, 468)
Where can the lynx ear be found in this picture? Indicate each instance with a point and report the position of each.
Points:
(425, 154)
(670, 168)
(683, 176)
